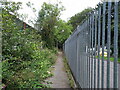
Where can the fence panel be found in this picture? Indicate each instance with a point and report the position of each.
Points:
(92, 49)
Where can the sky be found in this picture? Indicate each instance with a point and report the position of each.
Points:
(72, 7)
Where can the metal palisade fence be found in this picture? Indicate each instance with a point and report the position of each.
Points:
(92, 49)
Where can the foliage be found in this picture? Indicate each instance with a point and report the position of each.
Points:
(28, 74)
(61, 32)
(47, 20)
(53, 30)
(25, 63)
(111, 58)
(79, 17)
(69, 74)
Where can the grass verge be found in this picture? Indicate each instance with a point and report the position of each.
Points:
(69, 73)
(111, 58)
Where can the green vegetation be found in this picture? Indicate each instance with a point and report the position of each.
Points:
(27, 55)
(78, 18)
(69, 74)
(25, 63)
(62, 32)
(29, 73)
(111, 58)
(53, 30)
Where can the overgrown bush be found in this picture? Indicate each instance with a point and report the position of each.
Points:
(25, 63)
(24, 74)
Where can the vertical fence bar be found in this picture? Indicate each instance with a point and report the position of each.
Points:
(77, 76)
(99, 32)
(81, 59)
(92, 28)
(90, 45)
(86, 54)
(116, 44)
(108, 43)
(103, 42)
(88, 49)
(95, 48)
(83, 56)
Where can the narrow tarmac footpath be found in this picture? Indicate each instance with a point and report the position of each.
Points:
(59, 78)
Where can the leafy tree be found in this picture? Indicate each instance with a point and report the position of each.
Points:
(62, 32)
(47, 20)
(79, 17)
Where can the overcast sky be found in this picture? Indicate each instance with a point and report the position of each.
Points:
(72, 7)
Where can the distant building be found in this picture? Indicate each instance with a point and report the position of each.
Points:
(23, 25)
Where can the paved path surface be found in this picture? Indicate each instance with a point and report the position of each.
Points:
(60, 79)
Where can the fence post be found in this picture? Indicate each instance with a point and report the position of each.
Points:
(92, 28)
(99, 34)
(103, 42)
(116, 44)
(96, 15)
(108, 43)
